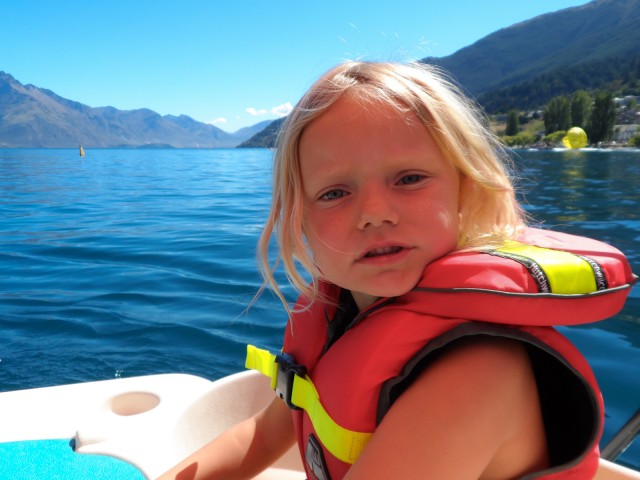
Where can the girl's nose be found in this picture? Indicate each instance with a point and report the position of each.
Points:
(376, 209)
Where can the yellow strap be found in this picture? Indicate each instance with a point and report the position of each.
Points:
(567, 273)
(344, 444)
(263, 361)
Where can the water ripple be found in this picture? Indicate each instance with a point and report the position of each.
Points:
(133, 262)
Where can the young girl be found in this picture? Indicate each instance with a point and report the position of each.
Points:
(423, 327)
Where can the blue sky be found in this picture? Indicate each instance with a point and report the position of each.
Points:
(232, 63)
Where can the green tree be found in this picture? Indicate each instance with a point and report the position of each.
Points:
(554, 138)
(520, 140)
(557, 115)
(580, 109)
(603, 118)
(513, 123)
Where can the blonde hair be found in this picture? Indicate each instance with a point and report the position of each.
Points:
(489, 212)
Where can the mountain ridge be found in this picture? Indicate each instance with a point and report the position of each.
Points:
(565, 38)
(31, 116)
(617, 75)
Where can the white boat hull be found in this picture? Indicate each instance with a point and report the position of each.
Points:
(155, 421)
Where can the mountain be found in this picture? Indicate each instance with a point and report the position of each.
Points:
(266, 138)
(248, 132)
(567, 38)
(36, 117)
(617, 75)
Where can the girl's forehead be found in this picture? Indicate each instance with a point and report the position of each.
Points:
(353, 110)
(346, 131)
(367, 104)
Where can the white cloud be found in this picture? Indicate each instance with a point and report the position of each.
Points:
(255, 112)
(218, 121)
(282, 110)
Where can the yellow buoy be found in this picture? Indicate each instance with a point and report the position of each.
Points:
(575, 138)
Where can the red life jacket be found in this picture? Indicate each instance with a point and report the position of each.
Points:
(517, 292)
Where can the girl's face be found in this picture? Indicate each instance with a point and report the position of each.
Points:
(381, 200)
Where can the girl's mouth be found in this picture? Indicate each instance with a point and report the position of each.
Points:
(378, 252)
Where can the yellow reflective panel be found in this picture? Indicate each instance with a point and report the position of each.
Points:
(568, 274)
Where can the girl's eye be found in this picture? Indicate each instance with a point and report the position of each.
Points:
(333, 195)
(410, 179)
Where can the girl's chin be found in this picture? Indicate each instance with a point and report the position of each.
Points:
(365, 299)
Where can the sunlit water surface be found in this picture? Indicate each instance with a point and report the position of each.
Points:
(134, 262)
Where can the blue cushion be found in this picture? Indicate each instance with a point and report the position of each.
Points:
(55, 459)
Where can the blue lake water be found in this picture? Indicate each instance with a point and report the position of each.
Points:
(134, 262)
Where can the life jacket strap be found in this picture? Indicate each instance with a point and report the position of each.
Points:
(293, 385)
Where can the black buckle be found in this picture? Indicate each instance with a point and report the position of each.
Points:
(287, 370)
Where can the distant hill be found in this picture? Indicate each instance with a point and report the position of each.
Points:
(36, 117)
(248, 132)
(265, 138)
(618, 75)
(591, 33)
